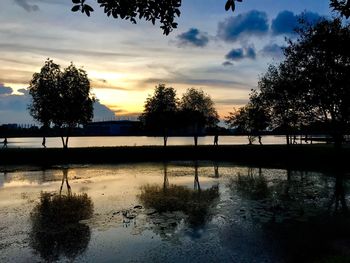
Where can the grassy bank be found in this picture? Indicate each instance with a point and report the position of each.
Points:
(315, 156)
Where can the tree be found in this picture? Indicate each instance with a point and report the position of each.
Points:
(251, 119)
(281, 96)
(321, 61)
(44, 88)
(61, 98)
(165, 11)
(160, 111)
(197, 111)
(341, 6)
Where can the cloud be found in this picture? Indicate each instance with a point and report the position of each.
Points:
(227, 63)
(193, 37)
(250, 53)
(272, 50)
(26, 6)
(231, 101)
(102, 112)
(5, 90)
(241, 53)
(235, 54)
(14, 108)
(286, 21)
(247, 24)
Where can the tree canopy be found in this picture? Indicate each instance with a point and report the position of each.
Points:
(165, 11)
(251, 119)
(62, 99)
(197, 111)
(312, 83)
(160, 111)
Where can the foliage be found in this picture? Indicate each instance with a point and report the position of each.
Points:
(165, 11)
(197, 110)
(251, 119)
(322, 64)
(44, 88)
(312, 83)
(160, 111)
(61, 98)
(341, 6)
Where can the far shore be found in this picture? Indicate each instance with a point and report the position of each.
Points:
(313, 157)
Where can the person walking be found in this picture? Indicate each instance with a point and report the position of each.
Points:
(44, 142)
(5, 143)
(216, 139)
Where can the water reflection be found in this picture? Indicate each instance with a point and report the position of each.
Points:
(56, 231)
(172, 204)
(304, 216)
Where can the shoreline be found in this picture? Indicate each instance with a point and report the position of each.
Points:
(315, 157)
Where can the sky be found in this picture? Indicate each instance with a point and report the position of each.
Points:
(221, 52)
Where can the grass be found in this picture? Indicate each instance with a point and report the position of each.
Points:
(296, 156)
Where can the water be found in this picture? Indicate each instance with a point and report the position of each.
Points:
(173, 212)
(134, 141)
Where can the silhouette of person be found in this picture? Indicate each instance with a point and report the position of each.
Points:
(259, 137)
(44, 142)
(216, 139)
(5, 143)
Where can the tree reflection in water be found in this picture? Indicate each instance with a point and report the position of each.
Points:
(56, 230)
(193, 203)
(305, 215)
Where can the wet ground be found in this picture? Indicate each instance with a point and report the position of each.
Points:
(173, 212)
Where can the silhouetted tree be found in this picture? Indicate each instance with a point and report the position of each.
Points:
(341, 6)
(251, 119)
(280, 95)
(61, 98)
(165, 11)
(197, 111)
(320, 61)
(160, 111)
(44, 89)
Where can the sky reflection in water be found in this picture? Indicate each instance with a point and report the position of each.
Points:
(174, 212)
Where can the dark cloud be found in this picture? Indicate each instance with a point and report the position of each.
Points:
(227, 63)
(235, 54)
(250, 53)
(5, 90)
(273, 50)
(102, 112)
(193, 37)
(286, 21)
(26, 6)
(241, 53)
(251, 23)
(14, 108)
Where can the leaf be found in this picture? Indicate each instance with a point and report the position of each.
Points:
(228, 5)
(87, 7)
(76, 1)
(75, 8)
(233, 7)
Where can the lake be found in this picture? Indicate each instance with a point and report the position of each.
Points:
(173, 212)
(34, 142)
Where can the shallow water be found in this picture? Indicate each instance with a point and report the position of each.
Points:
(173, 212)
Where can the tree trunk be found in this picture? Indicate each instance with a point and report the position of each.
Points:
(195, 140)
(287, 139)
(63, 142)
(165, 140)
